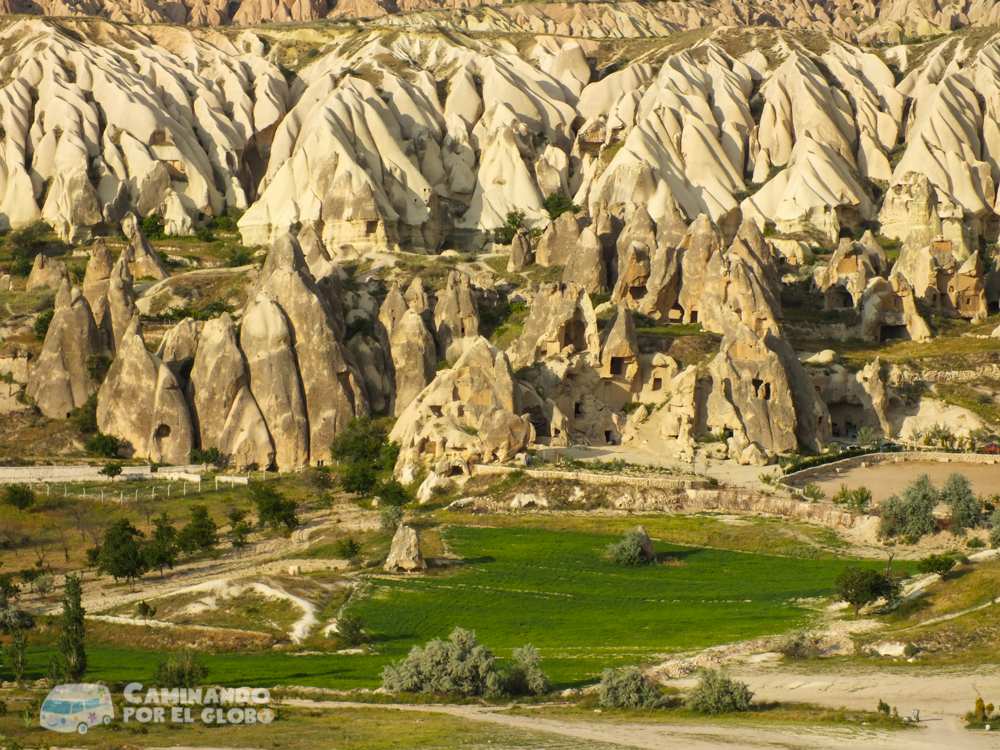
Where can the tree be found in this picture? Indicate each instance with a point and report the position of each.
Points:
(391, 517)
(525, 676)
(103, 446)
(912, 515)
(717, 693)
(457, 666)
(8, 589)
(957, 494)
(393, 493)
(180, 670)
(272, 508)
(627, 687)
(120, 555)
(112, 469)
(940, 564)
(557, 204)
(861, 586)
(347, 549)
(205, 456)
(856, 500)
(44, 584)
(505, 234)
(351, 630)
(241, 535)
(146, 612)
(28, 575)
(17, 653)
(364, 441)
(19, 496)
(359, 479)
(71, 647)
(162, 550)
(200, 534)
(866, 436)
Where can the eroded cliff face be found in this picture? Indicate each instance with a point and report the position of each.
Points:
(701, 178)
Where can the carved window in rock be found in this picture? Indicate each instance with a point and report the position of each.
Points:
(371, 227)
(761, 389)
(618, 366)
(657, 384)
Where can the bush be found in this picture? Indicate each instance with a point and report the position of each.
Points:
(913, 514)
(85, 417)
(557, 204)
(628, 551)
(393, 493)
(112, 469)
(347, 549)
(525, 676)
(272, 508)
(181, 670)
(975, 543)
(505, 234)
(359, 479)
(19, 496)
(957, 494)
(316, 479)
(240, 257)
(717, 693)
(152, 228)
(814, 492)
(42, 323)
(350, 628)
(204, 455)
(910, 651)
(200, 534)
(391, 517)
(940, 564)
(627, 688)
(103, 446)
(799, 645)
(857, 500)
(458, 666)
(861, 586)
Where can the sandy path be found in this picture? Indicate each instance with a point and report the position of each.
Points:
(936, 733)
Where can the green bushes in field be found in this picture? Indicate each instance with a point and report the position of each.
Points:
(180, 670)
(940, 564)
(912, 515)
(717, 693)
(366, 452)
(629, 549)
(103, 446)
(627, 687)
(957, 494)
(856, 500)
(461, 666)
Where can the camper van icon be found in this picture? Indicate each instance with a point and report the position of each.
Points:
(76, 708)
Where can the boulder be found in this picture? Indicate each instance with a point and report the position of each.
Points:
(404, 555)
(648, 550)
(46, 272)
(521, 254)
(60, 381)
(754, 455)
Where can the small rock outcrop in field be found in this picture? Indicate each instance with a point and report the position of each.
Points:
(404, 555)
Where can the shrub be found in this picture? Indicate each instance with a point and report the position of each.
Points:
(391, 517)
(884, 708)
(525, 676)
(505, 234)
(42, 323)
(103, 446)
(913, 514)
(861, 586)
(359, 479)
(181, 670)
(19, 496)
(557, 204)
(204, 455)
(350, 628)
(814, 492)
(717, 693)
(857, 500)
(975, 543)
(957, 494)
(393, 493)
(239, 257)
(910, 651)
(347, 549)
(866, 436)
(272, 508)
(457, 666)
(799, 645)
(627, 688)
(627, 551)
(316, 479)
(201, 532)
(152, 228)
(111, 469)
(85, 417)
(940, 564)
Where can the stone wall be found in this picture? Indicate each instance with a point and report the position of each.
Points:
(663, 483)
(36, 474)
(908, 457)
(908, 376)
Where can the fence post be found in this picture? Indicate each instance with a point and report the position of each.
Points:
(102, 496)
(168, 490)
(137, 495)
(154, 492)
(185, 489)
(85, 491)
(216, 482)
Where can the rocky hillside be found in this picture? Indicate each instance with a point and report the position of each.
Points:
(501, 239)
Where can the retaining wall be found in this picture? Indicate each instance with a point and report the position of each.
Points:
(905, 457)
(51, 474)
(665, 483)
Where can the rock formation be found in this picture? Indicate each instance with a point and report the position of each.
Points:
(404, 554)
(46, 272)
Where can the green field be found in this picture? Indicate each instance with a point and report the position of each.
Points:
(553, 589)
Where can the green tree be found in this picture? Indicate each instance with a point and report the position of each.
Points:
(162, 550)
(364, 441)
(347, 549)
(557, 204)
(241, 534)
(17, 653)
(525, 675)
(181, 670)
(205, 456)
(359, 479)
(940, 564)
(120, 555)
(627, 687)
(393, 493)
(19, 496)
(273, 509)
(71, 637)
(957, 494)
(103, 446)
(913, 514)
(505, 234)
(350, 628)
(200, 534)
(152, 228)
(42, 323)
(28, 575)
(146, 612)
(628, 550)
(458, 666)
(867, 436)
(861, 586)
(112, 469)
